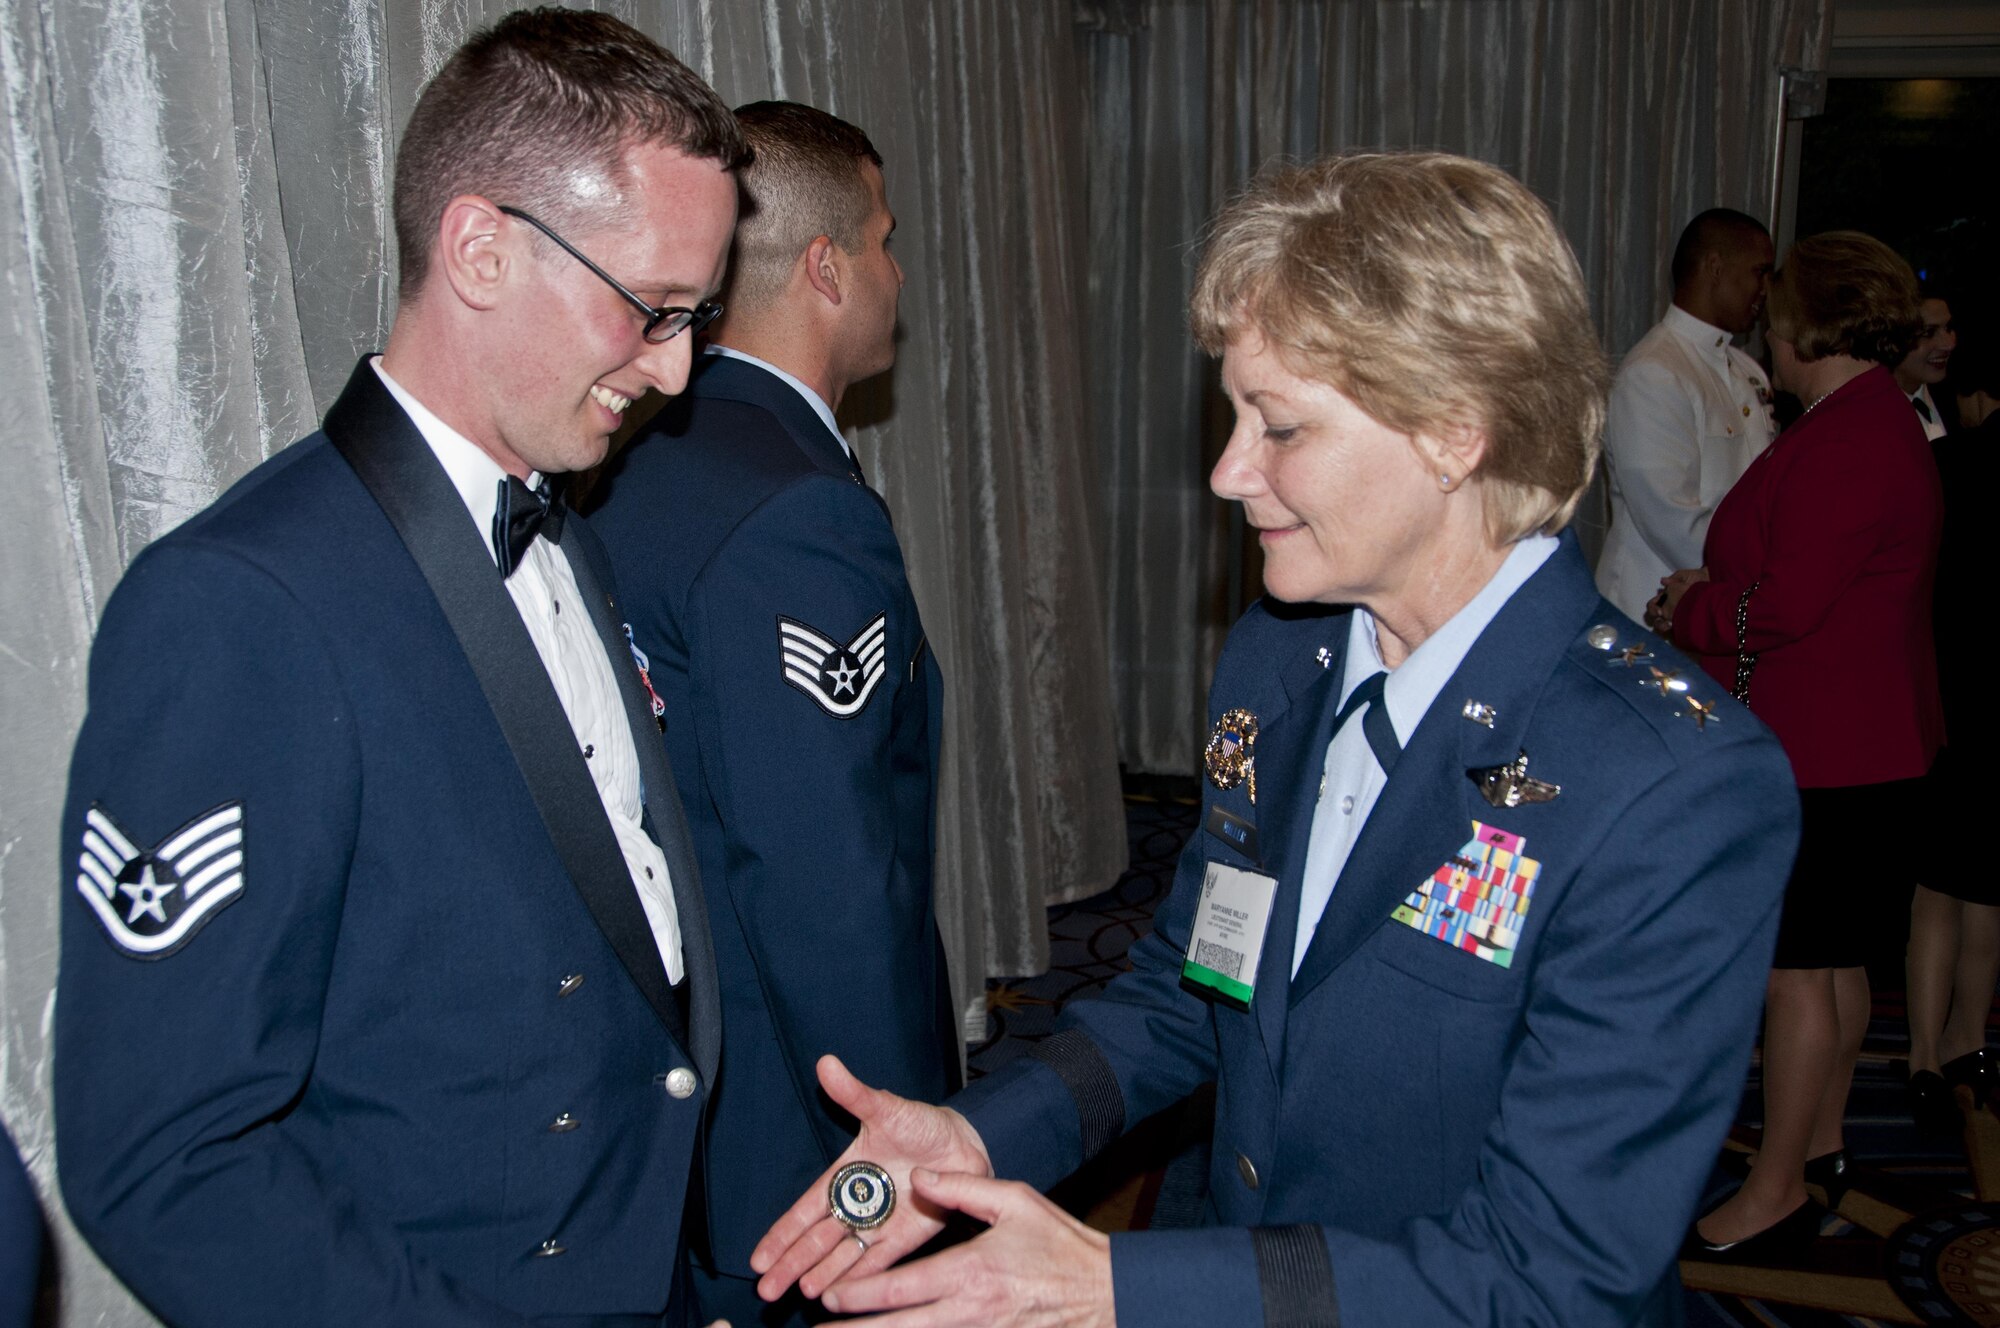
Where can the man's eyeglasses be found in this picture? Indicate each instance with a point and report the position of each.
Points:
(663, 323)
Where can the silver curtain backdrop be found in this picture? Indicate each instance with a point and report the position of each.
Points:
(194, 228)
(1626, 116)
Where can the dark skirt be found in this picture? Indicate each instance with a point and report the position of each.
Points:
(1947, 817)
(1857, 862)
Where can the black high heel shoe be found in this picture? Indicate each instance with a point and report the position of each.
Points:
(1932, 1104)
(1785, 1241)
(1978, 1070)
(1832, 1172)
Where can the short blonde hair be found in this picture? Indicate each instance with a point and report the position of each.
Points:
(1845, 293)
(1436, 293)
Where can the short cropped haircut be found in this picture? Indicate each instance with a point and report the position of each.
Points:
(1716, 231)
(527, 106)
(1435, 293)
(1845, 293)
(804, 182)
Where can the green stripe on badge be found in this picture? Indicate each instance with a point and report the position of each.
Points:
(1208, 977)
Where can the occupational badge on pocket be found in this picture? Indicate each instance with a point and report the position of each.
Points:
(1478, 900)
(1230, 757)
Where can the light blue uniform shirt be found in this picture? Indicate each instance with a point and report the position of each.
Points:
(1353, 778)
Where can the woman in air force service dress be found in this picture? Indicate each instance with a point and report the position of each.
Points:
(1472, 935)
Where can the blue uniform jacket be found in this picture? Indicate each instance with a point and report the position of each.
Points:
(803, 714)
(20, 1239)
(1406, 1132)
(411, 1057)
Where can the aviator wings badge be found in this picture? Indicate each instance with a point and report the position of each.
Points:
(1509, 786)
(839, 677)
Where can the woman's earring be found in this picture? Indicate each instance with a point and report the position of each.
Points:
(1444, 482)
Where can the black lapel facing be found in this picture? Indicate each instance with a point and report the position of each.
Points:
(392, 461)
(662, 796)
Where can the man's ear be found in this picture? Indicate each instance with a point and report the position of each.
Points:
(470, 251)
(1711, 268)
(826, 268)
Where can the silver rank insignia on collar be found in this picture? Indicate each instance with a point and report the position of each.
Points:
(1230, 757)
(1479, 712)
(1509, 786)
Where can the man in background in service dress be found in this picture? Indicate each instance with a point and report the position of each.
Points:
(767, 589)
(387, 994)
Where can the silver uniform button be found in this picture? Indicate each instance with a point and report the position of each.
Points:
(569, 984)
(549, 1248)
(1246, 1169)
(680, 1083)
(1602, 637)
(563, 1124)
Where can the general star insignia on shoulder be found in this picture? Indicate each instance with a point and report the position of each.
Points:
(151, 901)
(1667, 680)
(1230, 757)
(840, 678)
(1702, 712)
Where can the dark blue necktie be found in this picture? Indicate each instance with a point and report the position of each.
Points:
(520, 514)
(1375, 725)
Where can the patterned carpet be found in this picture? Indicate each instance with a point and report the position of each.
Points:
(1916, 1240)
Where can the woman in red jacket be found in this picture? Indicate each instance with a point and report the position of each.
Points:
(1814, 607)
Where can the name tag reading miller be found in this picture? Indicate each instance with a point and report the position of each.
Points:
(1228, 940)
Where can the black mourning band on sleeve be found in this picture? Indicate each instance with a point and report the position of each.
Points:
(1100, 1106)
(1296, 1277)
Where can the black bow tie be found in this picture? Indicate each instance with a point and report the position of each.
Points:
(1924, 409)
(520, 514)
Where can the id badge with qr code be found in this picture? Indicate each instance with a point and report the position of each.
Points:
(1228, 940)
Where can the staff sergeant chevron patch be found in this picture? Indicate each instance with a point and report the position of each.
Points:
(152, 900)
(840, 677)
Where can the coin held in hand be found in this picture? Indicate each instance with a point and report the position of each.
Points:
(862, 1196)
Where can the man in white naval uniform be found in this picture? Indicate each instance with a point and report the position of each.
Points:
(1689, 411)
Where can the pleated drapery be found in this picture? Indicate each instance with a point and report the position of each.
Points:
(1626, 116)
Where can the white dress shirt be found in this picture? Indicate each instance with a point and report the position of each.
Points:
(1927, 414)
(551, 607)
(1689, 413)
(812, 398)
(1353, 777)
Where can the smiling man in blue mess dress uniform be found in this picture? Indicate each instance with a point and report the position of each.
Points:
(387, 995)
